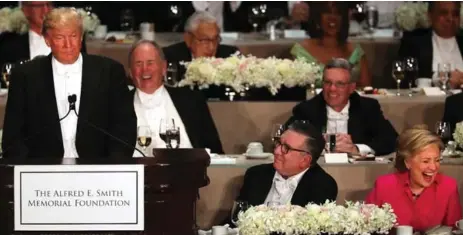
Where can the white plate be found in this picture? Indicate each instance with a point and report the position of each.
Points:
(258, 155)
(3, 92)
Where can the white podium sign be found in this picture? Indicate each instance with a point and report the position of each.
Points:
(79, 197)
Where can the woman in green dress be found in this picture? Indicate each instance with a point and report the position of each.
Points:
(329, 30)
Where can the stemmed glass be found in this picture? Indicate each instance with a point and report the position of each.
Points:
(6, 72)
(144, 137)
(171, 78)
(443, 130)
(127, 20)
(277, 130)
(398, 73)
(443, 71)
(174, 12)
(238, 207)
(359, 13)
(372, 19)
(169, 133)
(256, 15)
(411, 72)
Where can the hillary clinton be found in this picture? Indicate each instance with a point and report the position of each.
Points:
(420, 196)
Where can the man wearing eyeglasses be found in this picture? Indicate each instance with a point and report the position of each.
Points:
(294, 177)
(28, 44)
(358, 122)
(201, 39)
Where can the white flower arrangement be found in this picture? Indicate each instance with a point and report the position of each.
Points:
(239, 71)
(458, 134)
(329, 218)
(412, 15)
(14, 20)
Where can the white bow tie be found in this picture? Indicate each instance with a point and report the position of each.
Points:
(283, 186)
(67, 69)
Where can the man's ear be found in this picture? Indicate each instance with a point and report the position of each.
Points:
(187, 37)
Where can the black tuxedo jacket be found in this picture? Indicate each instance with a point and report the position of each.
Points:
(180, 52)
(194, 112)
(453, 113)
(32, 128)
(366, 124)
(316, 186)
(418, 44)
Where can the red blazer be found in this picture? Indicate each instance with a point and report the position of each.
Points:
(438, 204)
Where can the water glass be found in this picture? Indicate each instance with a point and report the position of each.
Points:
(398, 73)
(277, 131)
(171, 78)
(443, 72)
(173, 137)
(443, 130)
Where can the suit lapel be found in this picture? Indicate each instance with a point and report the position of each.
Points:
(354, 125)
(25, 50)
(320, 115)
(427, 55)
(303, 190)
(50, 107)
(89, 91)
(264, 185)
(460, 43)
(183, 110)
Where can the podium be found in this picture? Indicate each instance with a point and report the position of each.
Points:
(172, 182)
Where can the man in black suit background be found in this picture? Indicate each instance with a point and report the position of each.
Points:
(41, 91)
(201, 39)
(15, 47)
(453, 113)
(358, 122)
(295, 177)
(442, 43)
(154, 101)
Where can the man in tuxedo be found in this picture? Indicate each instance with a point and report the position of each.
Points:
(453, 113)
(201, 39)
(358, 122)
(154, 101)
(295, 177)
(39, 120)
(439, 44)
(15, 47)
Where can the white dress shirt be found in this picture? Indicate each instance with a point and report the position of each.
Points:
(446, 50)
(150, 109)
(282, 189)
(37, 45)
(337, 123)
(215, 8)
(67, 80)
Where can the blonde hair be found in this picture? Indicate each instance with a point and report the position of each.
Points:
(62, 16)
(412, 141)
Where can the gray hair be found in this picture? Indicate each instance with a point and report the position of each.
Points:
(314, 142)
(62, 16)
(197, 18)
(340, 63)
(152, 43)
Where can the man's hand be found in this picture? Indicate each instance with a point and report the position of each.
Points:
(300, 13)
(344, 144)
(456, 79)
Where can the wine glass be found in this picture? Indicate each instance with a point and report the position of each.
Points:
(171, 78)
(6, 72)
(443, 130)
(164, 125)
(256, 15)
(175, 13)
(238, 207)
(359, 13)
(127, 20)
(398, 73)
(173, 137)
(411, 71)
(144, 137)
(443, 71)
(372, 19)
(277, 131)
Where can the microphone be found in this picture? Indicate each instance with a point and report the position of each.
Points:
(72, 106)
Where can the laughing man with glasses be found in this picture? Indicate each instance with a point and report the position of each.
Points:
(357, 122)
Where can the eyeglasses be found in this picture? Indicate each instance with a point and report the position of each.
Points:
(206, 41)
(285, 148)
(336, 84)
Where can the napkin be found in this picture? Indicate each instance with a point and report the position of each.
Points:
(217, 159)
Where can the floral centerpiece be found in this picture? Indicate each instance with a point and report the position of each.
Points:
(329, 218)
(14, 20)
(239, 71)
(458, 134)
(413, 15)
